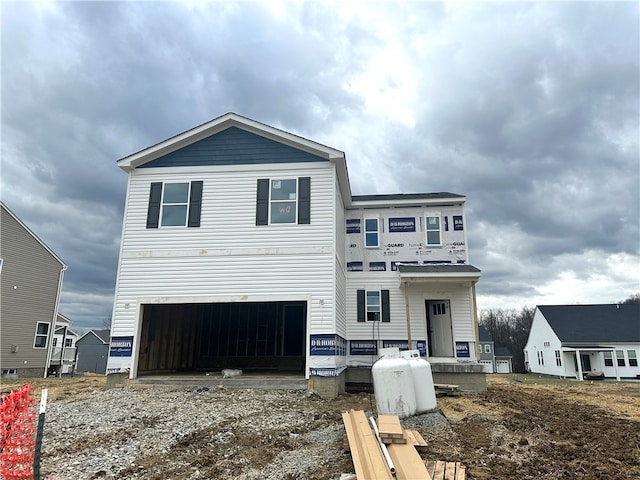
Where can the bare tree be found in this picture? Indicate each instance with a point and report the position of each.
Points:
(510, 329)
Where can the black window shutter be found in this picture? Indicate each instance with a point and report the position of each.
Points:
(361, 306)
(386, 311)
(304, 200)
(153, 213)
(262, 207)
(195, 204)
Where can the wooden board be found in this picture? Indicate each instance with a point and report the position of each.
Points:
(440, 470)
(367, 457)
(389, 426)
(409, 465)
(414, 438)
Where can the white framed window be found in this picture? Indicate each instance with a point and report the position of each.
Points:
(608, 359)
(68, 342)
(283, 200)
(558, 359)
(42, 335)
(633, 359)
(371, 232)
(175, 204)
(432, 228)
(620, 358)
(373, 306)
(487, 348)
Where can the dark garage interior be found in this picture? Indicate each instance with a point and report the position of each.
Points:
(208, 337)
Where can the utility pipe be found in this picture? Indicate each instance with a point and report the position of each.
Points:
(383, 447)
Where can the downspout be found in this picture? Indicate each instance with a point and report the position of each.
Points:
(406, 306)
(52, 330)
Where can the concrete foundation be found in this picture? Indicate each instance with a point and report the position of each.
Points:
(469, 377)
(327, 387)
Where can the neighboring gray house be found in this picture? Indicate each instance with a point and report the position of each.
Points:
(486, 358)
(494, 359)
(30, 283)
(93, 351)
(576, 340)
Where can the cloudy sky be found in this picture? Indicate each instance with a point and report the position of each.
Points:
(529, 109)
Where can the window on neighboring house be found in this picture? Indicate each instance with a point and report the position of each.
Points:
(175, 204)
(633, 359)
(487, 348)
(55, 341)
(558, 359)
(42, 334)
(68, 342)
(285, 200)
(608, 359)
(373, 306)
(432, 229)
(541, 358)
(371, 232)
(620, 357)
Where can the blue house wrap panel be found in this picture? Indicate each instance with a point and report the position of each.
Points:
(232, 146)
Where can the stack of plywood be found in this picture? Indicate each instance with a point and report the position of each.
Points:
(373, 459)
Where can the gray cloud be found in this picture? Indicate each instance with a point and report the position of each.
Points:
(529, 109)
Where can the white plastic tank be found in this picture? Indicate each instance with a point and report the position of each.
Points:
(425, 391)
(393, 384)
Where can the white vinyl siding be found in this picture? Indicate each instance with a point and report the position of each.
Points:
(459, 297)
(229, 257)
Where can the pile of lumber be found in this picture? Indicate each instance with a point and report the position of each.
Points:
(445, 389)
(383, 450)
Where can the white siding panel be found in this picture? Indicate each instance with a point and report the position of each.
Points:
(341, 305)
(229, 210)
(264, 277)
(460, 298)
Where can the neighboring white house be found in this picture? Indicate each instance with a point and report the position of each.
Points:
(243, 247)
(64, 347)
(572, 340)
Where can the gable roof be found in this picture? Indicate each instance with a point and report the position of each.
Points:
(102, 335)
(28, 230)
(594, 323)
(484, 335)
(230, 120)
(220, 124)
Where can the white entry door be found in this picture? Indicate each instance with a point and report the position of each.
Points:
(439, 328)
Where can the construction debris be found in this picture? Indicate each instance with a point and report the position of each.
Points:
(440, 470)
(368, 455)
(448, 390)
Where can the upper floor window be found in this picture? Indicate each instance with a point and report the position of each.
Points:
(42, 334)
(68, 342)
(174, 204)
(373, 306)
(432, 229)
(371, 232)
(487, 348)
(285, 200)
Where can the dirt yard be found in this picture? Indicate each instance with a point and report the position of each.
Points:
(523, 427)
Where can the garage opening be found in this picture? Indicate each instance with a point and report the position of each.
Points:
(214, 336)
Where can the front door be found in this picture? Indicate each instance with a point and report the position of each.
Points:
(439, 328)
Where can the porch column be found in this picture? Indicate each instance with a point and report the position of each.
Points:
(615, 364)
(580, 376)
(406, 306)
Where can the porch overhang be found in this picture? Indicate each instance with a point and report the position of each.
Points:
(438, 273)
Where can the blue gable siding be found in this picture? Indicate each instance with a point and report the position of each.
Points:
(232, 146)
